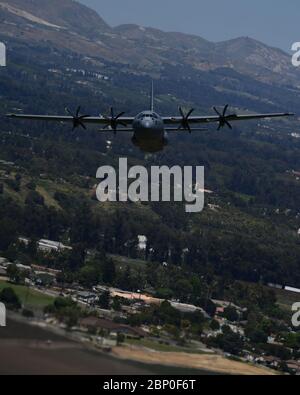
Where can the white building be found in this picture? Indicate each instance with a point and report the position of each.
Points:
(142, 242)
(47, 245)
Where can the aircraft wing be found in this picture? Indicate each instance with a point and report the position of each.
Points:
(224, 118)
(180, 129)
(54, 118)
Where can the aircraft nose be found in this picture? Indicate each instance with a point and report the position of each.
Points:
(147, 123)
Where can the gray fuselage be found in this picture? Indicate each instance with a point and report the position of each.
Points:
(149, 132)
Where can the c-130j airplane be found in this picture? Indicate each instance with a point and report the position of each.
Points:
(149, 129)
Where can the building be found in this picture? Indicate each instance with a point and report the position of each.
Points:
(86, 297)
(294, 366)
(44, 279)
(292, 289)
(142, 245)
(47, 245)
(38, 268)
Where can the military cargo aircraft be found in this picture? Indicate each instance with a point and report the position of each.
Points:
(149, 129)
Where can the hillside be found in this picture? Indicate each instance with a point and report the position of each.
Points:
(63, 54)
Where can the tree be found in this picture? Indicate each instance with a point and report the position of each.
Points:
(183, 289)
(10, 299)
(214, 325)
(120, 338)
(34, 198)
(8, 233)
(256, 336)
(77, 257)
(15, 275)
(231, 314)
(164, 293)
(228, 341)
(65, 310)
(108, 271)
(104, 300)
(89, 275)
(116, 305)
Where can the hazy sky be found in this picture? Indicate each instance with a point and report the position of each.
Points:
(275, 22)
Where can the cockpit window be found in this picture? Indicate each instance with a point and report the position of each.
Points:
(148, 115)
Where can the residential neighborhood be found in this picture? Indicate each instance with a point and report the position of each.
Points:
(109, 317)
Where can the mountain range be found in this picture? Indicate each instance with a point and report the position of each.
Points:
(62, 54)
(243, 71)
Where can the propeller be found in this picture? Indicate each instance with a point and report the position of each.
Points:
(185, 120)
(77, 118)
(223, 118)
(114, 121)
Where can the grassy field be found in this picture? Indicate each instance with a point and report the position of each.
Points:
(153, 345)
(29, 298)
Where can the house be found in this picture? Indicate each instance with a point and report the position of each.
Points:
(293, 365)
(86, 297)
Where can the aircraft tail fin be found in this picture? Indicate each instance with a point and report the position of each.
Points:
(152, 97)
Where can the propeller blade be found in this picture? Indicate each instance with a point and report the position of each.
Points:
(77, 118)
(228, 124)
(120, 115)
(69, 112)
(225, 110)
(185, 119)
(190, 113)
(217, 111)
(82, 125)
(223, 118)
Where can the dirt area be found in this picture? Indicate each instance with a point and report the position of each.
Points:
(215, 363)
